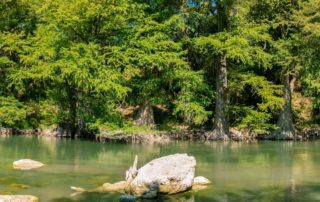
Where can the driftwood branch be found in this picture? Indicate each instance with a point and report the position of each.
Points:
(132, 172)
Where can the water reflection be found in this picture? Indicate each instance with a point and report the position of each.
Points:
(265, 171)
(97, 197)
(307, 192)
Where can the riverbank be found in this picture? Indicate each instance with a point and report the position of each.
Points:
(157, 136)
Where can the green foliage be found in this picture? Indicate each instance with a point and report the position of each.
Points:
(76, 76)
(243, 45)
(151, 60)
(73, 63)
(157, 70)
(64, 63)
(12, 112)
(104, 22)
(308, 21)
(16, 15)
(254, 101)
(193, 98)
(48, 113)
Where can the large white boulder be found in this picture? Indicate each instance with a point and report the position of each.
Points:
(167, 175)
(18, 198)
(27, 164)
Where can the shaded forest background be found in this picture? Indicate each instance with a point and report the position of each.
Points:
(93, 65)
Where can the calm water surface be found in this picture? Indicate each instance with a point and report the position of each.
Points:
(266, 171)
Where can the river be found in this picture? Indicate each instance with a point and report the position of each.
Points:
(264, 171)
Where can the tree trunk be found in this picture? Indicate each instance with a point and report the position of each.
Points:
(286, 130)
(73, 118)
(72, 122)
(220, 123)
(220, 130)
(144, 115)
(292, 83)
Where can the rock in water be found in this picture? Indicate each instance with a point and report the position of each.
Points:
(128, 198)
(172, 174)
(200, 183)
(115, 187)
(200, 180)
(78, 189)
(27, 164)
(18, 198)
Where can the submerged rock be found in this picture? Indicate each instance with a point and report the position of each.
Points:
(106, 187)
(172, 174)
(26, 164)
(128, 198)
(115, 187)
(18, 198)
(78, 189)
(197, 188)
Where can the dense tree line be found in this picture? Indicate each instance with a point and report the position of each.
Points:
(218, 64)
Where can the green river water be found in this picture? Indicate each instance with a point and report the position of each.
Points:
(264, 171)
